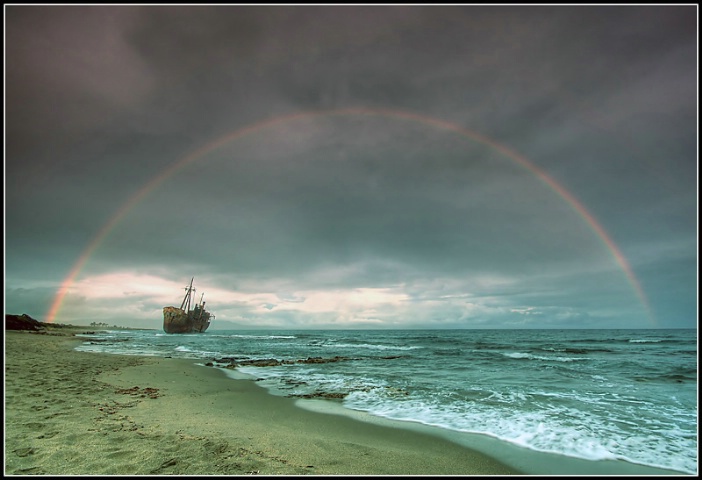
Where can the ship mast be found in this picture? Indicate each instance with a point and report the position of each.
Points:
(200, 309)
(185, 306)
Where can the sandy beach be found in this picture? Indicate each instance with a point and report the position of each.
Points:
(79, 413)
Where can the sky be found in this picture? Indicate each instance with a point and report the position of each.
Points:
(353, 166)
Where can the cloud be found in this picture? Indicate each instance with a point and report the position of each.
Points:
(71, 68)
(292, 217)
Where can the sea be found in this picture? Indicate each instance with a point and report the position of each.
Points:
(595, 397)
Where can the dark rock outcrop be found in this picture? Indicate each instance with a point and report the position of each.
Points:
(327, 395)
(231, 362)
(323, 360)
(22, 322)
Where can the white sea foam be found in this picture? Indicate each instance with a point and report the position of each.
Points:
(197, 353)
(300, 380)
(368, 346)
(253, 337)
(588, 439)
(530, 356)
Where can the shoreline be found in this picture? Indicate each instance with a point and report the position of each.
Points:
(526, 461)
(71, 413)
(154, 415)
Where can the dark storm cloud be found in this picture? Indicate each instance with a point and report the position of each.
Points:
(344, 192)
(102, 99)
(68, 70)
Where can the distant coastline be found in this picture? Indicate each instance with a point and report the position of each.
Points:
(26, 322)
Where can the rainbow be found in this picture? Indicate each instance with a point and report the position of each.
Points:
(437, 123)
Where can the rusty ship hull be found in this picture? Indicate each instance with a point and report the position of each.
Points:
(176, 320)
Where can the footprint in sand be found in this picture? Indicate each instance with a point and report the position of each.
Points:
(23, 452)
(34, 425)
(30, 470)
(164, 465)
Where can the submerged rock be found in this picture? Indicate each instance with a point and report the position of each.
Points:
(327, 395)
(231, 362)
(234, 362)
(323, 360)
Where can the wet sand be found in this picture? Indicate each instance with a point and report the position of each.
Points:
(73, 413)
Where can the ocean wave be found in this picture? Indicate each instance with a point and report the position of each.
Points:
(575, 351)
(259, 337)
(298, 381)
(619, 341)
(538, 430)
(197, 352)
(529, 356)
(368, 346)
(679, 377)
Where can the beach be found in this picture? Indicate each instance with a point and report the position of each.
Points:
(69, 412)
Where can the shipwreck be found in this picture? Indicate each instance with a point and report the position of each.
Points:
(186, 319)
